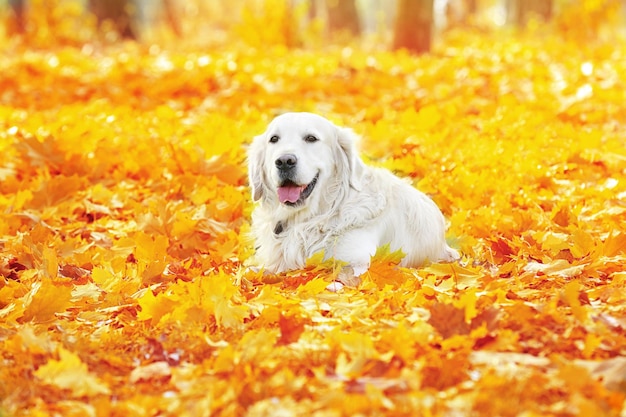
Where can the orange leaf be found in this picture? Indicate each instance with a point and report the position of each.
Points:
(384, 267)
(448, 320)
(45, 300)
(291, 327)
(69, 372)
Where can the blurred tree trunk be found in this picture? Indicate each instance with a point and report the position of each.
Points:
(413, 28)
(173, 19)
(16, 24)
(472, 6)
(312, 9)
(343, 16)
(519, 11)
(119, 12)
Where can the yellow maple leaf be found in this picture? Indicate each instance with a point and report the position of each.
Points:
(224, 360)
(212, 295)
(427, 117)
(401, 340)
(219, 295)
(21, 198)
(461, 277)
(104, 278)
(69, 372)
(571, 293)
(50, 263)
(312, 287)
(183, 223)
(552, 242)
(356, 343)
(615, 244)
(88, 290)
(154, 307)
(151, 247)
(467, 301)
(583, 243)
(45, 300)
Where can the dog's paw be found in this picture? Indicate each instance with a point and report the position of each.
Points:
(349, 276)
(335, 286)
(346, 278)
(451, 255)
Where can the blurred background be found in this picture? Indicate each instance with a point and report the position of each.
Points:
(415, 25)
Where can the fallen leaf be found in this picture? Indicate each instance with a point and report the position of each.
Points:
(70, 373)
(46, 299)
(611, 372)
(559, 267)
(448, 320)
(291, 327)
(153, 372)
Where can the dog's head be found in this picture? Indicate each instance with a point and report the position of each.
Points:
(301, 160)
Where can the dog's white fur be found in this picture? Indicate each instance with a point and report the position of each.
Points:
(352, 210)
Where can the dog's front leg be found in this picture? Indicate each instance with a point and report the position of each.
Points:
(356, 249)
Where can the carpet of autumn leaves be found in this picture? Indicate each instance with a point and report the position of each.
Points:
(124, 210)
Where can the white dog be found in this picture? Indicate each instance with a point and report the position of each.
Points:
(315, 194)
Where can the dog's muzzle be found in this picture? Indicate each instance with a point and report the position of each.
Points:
(286, 165)
(290, 192)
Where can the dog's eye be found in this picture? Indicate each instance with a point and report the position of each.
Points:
(310, 139)
(274, 139)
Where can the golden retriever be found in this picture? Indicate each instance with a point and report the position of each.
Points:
(314, 193)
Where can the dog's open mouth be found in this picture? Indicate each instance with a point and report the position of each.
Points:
(292, 194)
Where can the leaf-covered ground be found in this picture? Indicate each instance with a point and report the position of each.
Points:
(124, 211)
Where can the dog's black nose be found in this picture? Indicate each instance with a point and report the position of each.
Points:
(286, 162)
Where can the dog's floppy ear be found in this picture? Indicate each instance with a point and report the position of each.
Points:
(347, 140)
(255, 167)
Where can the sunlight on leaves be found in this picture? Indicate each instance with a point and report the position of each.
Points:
(126, 279)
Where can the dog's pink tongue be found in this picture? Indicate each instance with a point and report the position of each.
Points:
(290, 193)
